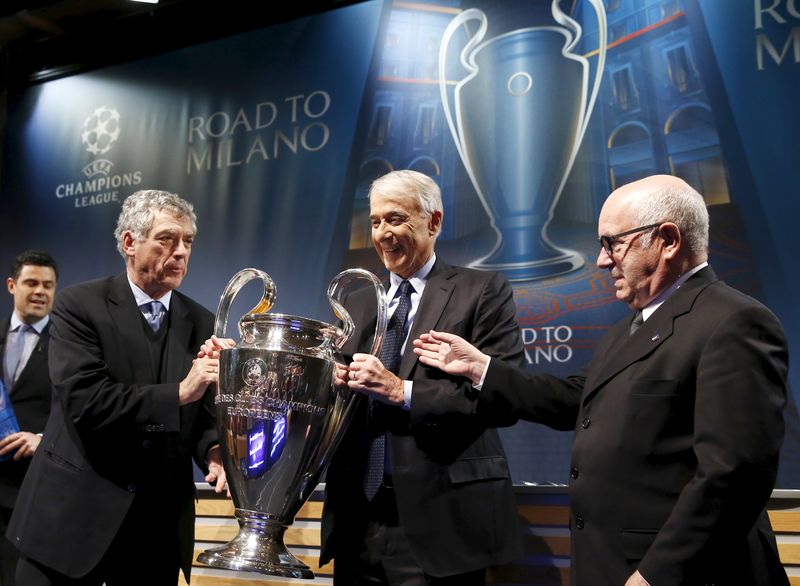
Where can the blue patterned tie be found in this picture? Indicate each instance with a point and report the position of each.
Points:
(153, 313)
(390, 358)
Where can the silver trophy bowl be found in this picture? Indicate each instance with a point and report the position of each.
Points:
(279, 418)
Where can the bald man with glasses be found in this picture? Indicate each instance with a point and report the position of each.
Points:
(678, 418)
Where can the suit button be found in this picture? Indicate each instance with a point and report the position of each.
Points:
(578, 522)
(586, 423)
(573, 473)
(146, 444)
(131, 487)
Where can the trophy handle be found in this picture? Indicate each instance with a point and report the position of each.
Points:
(467, 59)
(602, 48)
(232, 289)
(335, 291)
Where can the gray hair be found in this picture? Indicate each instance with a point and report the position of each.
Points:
(139, 210)
(683, 206)
(408, 182)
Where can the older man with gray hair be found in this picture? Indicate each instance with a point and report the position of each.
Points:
(419, 491)
(678, 418)
(113, 475)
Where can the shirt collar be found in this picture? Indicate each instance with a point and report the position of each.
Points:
(417, 280)
(38, 325)
(656, 303)
(142, 297)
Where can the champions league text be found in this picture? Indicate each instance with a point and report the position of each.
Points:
(97, 190)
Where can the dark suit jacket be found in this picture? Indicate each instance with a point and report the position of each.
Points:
(30, 398)
(450, 473)
(676, 445)
(115, 433)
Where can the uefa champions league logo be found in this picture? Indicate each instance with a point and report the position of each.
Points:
(100, 130)
(254, 372)
(100, 183)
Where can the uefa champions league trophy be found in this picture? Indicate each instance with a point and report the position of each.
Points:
(279, 418)
(520, 115)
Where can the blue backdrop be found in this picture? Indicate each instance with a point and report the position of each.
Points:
(275, 135)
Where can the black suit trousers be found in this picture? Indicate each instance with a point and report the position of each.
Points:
(137, 556)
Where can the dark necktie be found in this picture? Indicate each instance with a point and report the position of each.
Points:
(390, 358)
(637, 322)
(153, 313)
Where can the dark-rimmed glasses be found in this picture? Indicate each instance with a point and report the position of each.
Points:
(607, 242)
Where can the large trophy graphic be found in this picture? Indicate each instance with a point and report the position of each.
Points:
(518, 119)
(279, 418)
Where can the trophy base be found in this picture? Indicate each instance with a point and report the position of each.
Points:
(565, 262)
(253, 550)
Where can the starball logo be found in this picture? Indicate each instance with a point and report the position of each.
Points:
(100, 130)
(99, 133)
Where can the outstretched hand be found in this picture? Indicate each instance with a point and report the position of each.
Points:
(451, 354)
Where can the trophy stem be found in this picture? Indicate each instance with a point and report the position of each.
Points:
(524, 253)
(257, 548)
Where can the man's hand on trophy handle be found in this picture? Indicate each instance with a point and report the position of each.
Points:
(368, 376)
(340, 374)
(451, 354)
(213, 345)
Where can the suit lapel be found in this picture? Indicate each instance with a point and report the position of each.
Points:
(438, 290)
(128, 325)
(623, 350)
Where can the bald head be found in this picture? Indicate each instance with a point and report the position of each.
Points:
(638, 189)
(665, 198)
(655, 230)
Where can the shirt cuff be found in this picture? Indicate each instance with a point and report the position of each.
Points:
(479, 386)
(407, 395)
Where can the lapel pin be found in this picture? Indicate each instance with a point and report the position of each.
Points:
(656, 337)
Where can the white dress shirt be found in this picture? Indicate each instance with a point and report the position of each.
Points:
(418, 281)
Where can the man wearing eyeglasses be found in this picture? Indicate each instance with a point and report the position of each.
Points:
(678, 417)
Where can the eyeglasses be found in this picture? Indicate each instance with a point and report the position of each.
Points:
(607, 242)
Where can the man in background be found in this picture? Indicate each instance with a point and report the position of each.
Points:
(419, 491)
(109, 497)
(679, 414)
(24, 337)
